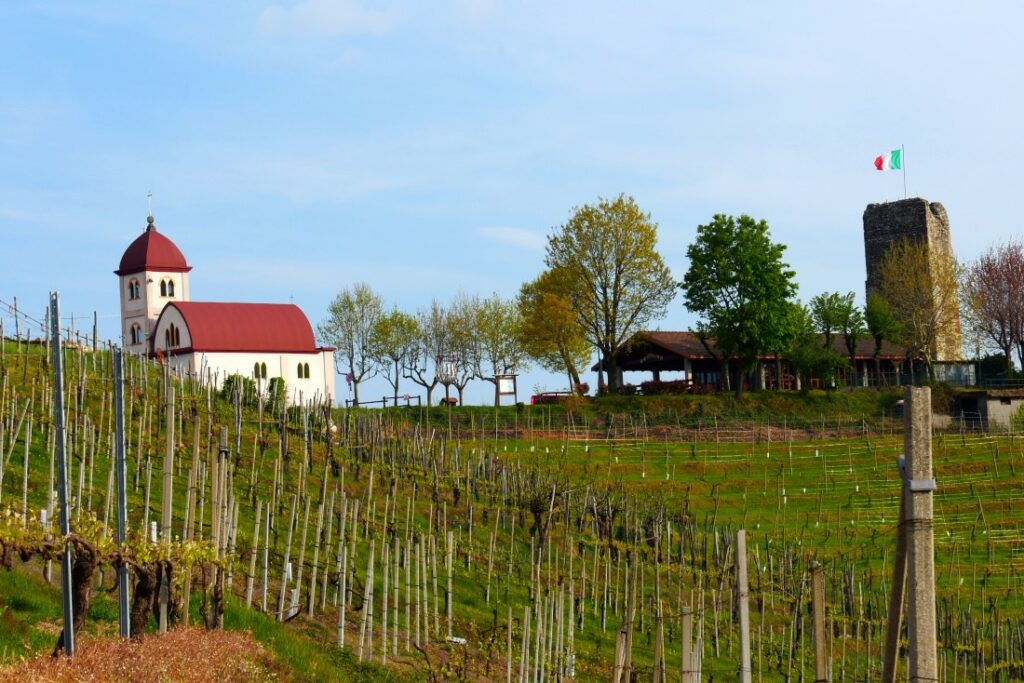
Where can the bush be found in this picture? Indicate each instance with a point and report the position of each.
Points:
(246, 386)
(675, 388)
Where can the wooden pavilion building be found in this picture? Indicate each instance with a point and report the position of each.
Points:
(702, 366)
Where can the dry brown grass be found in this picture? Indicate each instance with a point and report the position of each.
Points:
(188, 655)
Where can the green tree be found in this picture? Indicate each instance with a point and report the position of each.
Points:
(852, 326)
(608, 253)
(827, 312)
(350, 327)
(833, 313)
(740, 286)
(881, 326)
(805, 351)
(498, 348)
(551, 333)
(395, 339)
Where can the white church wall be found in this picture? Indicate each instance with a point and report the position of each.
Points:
(171, 316)
(217, 365)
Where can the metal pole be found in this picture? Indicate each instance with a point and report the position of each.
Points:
(122, 490)
(166, 504)
(62, 472)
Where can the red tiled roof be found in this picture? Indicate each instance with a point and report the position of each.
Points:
(152, 251)
(687, 344)
(278, 328)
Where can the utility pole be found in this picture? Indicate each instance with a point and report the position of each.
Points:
(919, 484)
(62, 472)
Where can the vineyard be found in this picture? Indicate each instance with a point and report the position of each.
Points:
(505, 549)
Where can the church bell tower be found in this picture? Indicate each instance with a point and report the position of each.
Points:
(152, 273)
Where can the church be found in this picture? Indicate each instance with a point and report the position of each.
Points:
(214, 340)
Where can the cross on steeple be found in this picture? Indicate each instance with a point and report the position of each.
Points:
(149, 203)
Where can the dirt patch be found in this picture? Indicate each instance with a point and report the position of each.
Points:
(189, 655)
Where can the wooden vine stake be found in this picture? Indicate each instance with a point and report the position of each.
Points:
(818, 603)
(746, 671)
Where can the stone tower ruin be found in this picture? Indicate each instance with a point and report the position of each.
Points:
(919, 220)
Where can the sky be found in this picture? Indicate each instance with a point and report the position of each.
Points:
(427, 148)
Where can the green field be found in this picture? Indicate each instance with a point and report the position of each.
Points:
(611, 500)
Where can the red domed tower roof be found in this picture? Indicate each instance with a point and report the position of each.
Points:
(152, 251)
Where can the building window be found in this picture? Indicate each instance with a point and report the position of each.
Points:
(170, 288)
(172, 336)
(135, 335)
(259, 370)
(256, 370)
(306, 366)
(303, 370)
(263, 370)
(163, 288)
(133, 289)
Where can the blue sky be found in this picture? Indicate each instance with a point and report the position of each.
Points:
(294, 148)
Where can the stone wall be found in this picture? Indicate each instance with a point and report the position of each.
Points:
(917, 219)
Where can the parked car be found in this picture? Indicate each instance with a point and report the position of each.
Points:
(549, 398)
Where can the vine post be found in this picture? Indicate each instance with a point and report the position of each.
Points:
(62, 472)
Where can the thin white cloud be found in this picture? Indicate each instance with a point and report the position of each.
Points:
(328, 18)
(516, 237)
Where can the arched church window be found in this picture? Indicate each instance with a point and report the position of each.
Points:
(163, 288)
(135, 336)
(177, 335)
(167, 339)
(263, 370)
(170, 288)
(306, 366)
(133, 289)
(256, 370)
(300, 370)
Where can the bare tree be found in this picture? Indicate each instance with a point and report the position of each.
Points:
(460, 343)
(921, 287)
(992, 295)
(424, 357)
(350, 327)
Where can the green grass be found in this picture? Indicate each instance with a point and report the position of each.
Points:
(309, 655)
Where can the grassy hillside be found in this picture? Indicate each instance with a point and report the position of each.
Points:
(546, 521)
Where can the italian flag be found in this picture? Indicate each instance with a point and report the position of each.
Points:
(889, 161)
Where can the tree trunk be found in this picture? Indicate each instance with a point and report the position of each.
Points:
(398, 377)
(81, 590)
(355, 391)
(739, 379)
(613, 375)
(497, 395)
(878, 368)
(430, 392)
(142, 599)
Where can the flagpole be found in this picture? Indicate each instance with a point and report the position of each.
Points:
(903, 159)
